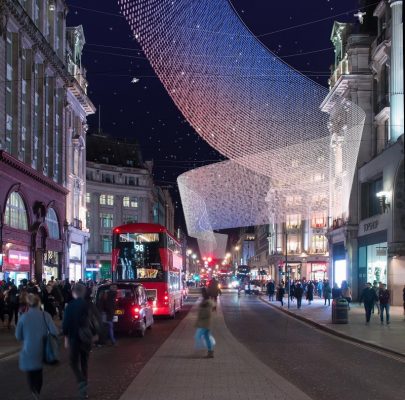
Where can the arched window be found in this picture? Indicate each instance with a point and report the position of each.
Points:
(52, 223)
(16, 214)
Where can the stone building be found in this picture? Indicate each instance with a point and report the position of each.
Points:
(120, 190)
(368, 244)
(35, 82)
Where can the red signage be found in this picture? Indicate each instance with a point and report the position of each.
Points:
(17, 260)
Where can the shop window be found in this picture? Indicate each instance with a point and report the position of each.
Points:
(318, 244)
(293, 244)
(88, 198)
(16, 213)
(293, 221)
(318, 220)
(52, 223)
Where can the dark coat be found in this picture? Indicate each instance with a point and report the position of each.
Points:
(31, 330)
(75, 316)
(298, 292)
(368, 296)
(270, 288)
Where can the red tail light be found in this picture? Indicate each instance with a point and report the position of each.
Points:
(136, 310)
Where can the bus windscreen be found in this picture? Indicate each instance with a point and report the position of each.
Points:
(139, 257)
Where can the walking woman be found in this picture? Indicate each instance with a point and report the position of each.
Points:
(203, 323)
(31, 330)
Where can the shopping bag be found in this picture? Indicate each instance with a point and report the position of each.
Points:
(51, 346)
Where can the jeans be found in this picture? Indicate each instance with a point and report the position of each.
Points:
(205, 333)
(271, 297)
(385, 307)
(111, 331)
(299, 299)
(79, 359)
(35, 380)
(368, 308)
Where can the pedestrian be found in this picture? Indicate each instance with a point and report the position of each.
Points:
(270, 287)
(78, 337)
(310, 292)
(292, 292)
(213, 292)
(369, 297)
(12, 304)
(31, 329)
(327, 291)
(108, 311)
(320, 289)
(336, 292)
(376, 289)
(203, 323)
(299, 291)
(346, 293)
(3, 304)
(384, 299)
(280, 294)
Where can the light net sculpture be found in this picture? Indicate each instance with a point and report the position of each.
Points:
(285, 154)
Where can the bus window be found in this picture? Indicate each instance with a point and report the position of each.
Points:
(139, 257)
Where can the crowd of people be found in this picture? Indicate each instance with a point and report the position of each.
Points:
(34, 306)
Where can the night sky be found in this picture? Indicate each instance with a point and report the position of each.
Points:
(298, 31)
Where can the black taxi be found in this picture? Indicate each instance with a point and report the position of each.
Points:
(129, 305)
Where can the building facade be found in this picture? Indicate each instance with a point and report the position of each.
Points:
(33, 138)
(120, 190)
(78, 107)
(368, 244)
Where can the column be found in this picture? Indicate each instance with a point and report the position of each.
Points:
(397, 72)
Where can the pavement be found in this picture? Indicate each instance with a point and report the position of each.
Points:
(8, 342)
(390, 337)
(178, 371)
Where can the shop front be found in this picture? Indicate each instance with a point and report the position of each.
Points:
(319, 271)
(339, 263)
(75, 270)
(15, 262)
(51, 265)
(373, 259)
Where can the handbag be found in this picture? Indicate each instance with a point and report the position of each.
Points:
(51, 346)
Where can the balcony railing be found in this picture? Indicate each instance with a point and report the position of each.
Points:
(341, 69)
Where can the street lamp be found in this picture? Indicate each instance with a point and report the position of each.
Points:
(194, 256)
(189, 252)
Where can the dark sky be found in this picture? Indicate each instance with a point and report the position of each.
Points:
(297, 30)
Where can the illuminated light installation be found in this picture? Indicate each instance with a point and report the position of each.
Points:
(285, 154)
(216, 247)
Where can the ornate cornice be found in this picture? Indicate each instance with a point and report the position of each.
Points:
(32, 173)
(36, 36)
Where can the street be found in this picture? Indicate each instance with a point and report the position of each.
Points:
(319, 364)
(111, 369)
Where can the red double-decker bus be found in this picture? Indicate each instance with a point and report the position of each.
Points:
(149, 254)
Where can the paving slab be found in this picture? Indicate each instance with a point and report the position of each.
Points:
(179, 372)
(389, 337)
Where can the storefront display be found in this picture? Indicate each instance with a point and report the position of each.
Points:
(75, 271)
(318, 271)
(340, 271)
(51, 265)
(16, 262)
(376, 262)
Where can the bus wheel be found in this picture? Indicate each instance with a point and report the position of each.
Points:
(141, 331)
